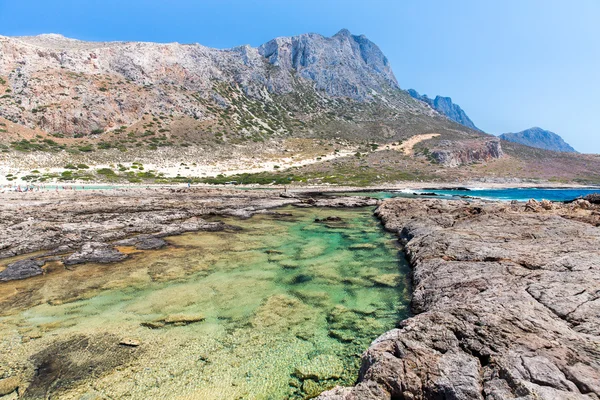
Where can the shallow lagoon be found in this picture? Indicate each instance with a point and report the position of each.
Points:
(279, 309)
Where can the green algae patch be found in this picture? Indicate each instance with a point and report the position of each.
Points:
(281, 309)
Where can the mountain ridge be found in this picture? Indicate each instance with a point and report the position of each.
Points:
(445, 106)
(539, 138)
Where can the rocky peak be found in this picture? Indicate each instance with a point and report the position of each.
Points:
(342, 65)
(445, 106)
(539, 138)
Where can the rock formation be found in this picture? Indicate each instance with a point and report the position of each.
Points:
(539, 138)
(445, 106)
(505, 301)
(453, 154)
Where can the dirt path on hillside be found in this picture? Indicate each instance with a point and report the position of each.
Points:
(408, 145)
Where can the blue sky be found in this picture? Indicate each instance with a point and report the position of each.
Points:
(510, 64)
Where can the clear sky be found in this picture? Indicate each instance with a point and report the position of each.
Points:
(510, 64)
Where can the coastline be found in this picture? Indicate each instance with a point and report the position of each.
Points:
(492, 288)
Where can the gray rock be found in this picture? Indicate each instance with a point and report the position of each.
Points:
(150, 244)
(539, 138)
(22, 269)
(95, 252)
(445, 106)
(506, 304)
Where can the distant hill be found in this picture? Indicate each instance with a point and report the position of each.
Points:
(539, 138)
(445, 106)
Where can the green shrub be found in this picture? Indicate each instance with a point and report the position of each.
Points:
(86, 149)
(106, 172)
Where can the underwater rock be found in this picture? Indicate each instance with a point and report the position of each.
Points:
(362, 246)
(22, 269)
(95, 252)
(389, 280)
(9, 385)
(322, 367)
(332, 218)
(130, 342)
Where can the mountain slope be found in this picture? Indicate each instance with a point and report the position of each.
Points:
(73, 87)
(539, 138)
(303, 108)
(445, 106)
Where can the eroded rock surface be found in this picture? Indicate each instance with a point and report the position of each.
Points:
(21, 269)
(506, 302)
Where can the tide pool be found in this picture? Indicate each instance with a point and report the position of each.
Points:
(280, 309)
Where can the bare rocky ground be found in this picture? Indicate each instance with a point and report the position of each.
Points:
(506, 297)
(506, 304)
(77, 227)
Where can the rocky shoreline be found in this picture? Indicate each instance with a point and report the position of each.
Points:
(79, 227)
(506, 304)
(506, 299)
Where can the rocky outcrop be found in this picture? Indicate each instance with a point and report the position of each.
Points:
(506, 305)
(453, 154)
(539, 138)
(445, 106)
(22, 269)
(74, 87)
(95, 252)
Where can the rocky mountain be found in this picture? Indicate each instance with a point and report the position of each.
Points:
(445, 106)
(539, 138)
(74, 88)
(305, 108)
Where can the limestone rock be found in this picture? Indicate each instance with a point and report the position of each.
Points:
(22, 269)
(95, 252)
(504, 307)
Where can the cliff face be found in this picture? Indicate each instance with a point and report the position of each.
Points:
(445, 106)
(539, 138)
(453, 154)
(69, 86)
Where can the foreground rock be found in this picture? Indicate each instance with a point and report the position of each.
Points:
(21, 269)
(95, 252)
(506, 302)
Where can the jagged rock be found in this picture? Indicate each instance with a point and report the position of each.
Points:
(546, 205)
(503, 306)
(445, 106)
(593, 198)
(454, 153)
(22, 269)
(95, 252)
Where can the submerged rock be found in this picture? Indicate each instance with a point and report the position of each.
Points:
(22, 269)
(9, 385)
(174, 320)
(390, 280)
(320, 368)
(95, 252)
(130, 342)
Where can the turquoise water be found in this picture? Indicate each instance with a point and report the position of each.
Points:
(508, 194)
(280, 309)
